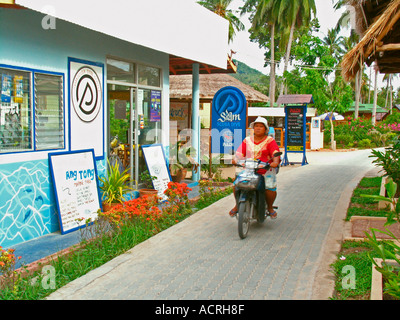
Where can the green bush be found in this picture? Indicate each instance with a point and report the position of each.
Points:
(389, 160)
(364, 144)
(344, 139)
(361, 133)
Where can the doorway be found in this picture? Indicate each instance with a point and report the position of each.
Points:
(134, 120)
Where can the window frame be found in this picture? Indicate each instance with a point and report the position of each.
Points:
(32, 72)
(62, 110)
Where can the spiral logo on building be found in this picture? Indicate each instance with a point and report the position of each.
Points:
(228, 118)
(229, 103)
(86, 93)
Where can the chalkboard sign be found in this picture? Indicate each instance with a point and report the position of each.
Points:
(157, 167)
(75, 184)
(295, 118)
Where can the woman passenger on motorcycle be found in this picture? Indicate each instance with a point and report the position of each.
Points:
(260, 146)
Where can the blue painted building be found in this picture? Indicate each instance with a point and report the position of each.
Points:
(64, 77)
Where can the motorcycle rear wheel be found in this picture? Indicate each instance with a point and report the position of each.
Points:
(244, 219)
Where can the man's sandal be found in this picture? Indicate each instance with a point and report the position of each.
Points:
(233, 212)
(273, 215)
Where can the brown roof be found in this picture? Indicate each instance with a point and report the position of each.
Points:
(295, 99)
(180, 87)
(178, 66)
(380, 32)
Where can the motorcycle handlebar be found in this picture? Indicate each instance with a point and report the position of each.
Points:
(261, 165)
(264, 165)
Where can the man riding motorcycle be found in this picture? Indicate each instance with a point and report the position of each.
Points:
(260, 146)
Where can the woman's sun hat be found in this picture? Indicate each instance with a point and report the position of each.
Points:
(263, 121)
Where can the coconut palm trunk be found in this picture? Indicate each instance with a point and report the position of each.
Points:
(287, 56)
(273, 66)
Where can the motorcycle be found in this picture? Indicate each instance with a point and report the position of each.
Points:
(250, 193)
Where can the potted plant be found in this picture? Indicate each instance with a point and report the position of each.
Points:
(147, 182)
(181, 160)
(114, 186)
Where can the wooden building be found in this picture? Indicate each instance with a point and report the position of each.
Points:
(377, 22)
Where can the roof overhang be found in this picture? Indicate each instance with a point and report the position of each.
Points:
(9, 4)
(178, 27)
(380, 42)
(295, 99)
(275, 112)
(179, 66)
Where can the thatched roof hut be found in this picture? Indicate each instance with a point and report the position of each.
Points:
(180, 87)
(379, 26)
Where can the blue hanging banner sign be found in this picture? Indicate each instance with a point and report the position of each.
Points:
(228, 120)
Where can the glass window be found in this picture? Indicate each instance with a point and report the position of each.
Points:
(49, 115)
(118, 70)
(151, 104)
(149, 76)
(15, 111)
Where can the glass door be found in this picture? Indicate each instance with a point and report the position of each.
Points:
(148, 124)
(132, 125)
(121, 106)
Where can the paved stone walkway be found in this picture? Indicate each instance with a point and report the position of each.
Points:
(203, 257)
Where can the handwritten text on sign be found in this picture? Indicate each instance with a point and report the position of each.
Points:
(76, 188)
(295, 128)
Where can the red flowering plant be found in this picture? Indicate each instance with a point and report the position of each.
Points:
(144, 210)
(7, 267)
(178, 202)
(143, 207)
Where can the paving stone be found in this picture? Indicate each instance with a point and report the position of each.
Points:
(203, 257)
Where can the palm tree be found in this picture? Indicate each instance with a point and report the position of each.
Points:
(333, 41)
(264, 17)
(294, 13)
(344, 21)
(220, 7)
(389, 90)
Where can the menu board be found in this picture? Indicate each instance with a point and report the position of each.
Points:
(76, 188)
(295, 118)
(157, 167)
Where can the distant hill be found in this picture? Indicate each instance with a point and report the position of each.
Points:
(251, 77)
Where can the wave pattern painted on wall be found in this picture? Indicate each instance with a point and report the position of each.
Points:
(27, 208)
(27, 204)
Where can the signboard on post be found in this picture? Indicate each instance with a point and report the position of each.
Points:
(157, 167)
(228, 120)
(295, 132)
(295, 124)
(75, 184)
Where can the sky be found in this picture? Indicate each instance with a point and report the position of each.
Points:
(250, 54)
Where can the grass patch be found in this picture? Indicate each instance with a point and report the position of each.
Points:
(360, 206)
(357, 255)
(370, 182)
(355, 211)
(209, 198)
(354, 254)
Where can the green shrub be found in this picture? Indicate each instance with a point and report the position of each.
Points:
(344, 139)
(389, 161)
(364, 144)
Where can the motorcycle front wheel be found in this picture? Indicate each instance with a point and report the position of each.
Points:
(244, 219)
